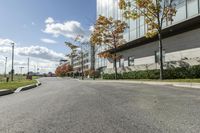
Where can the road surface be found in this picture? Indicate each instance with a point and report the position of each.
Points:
(71, 106)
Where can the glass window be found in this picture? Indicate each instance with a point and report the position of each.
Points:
(199, 6)
(115, 9)
(181, 10)
(132, 24)
(121, 62)
(142, 20)
(141, 30)
(141, 26)
(192, 7)
(137, 28)
(132, 29)
(110, 7)
(131, 61)
(157, 56)
(119, 14)
(133, 35)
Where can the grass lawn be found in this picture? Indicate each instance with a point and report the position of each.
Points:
(16, 84)
(19, 81)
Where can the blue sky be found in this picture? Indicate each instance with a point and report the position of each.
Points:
(23, 22)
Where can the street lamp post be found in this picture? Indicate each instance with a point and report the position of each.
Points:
(28, 67)
(6, 58)
(12, 70)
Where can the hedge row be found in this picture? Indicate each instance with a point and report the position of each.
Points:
(176, 73)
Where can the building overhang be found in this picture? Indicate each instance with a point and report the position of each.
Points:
(175, 29)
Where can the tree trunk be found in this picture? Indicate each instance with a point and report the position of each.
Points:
(115, 66)
(93, 60)
(161, 55)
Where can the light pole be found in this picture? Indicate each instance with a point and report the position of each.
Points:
(6, 58)
(12, 70)
(28, 66)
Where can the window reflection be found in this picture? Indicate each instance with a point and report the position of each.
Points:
(192, 7)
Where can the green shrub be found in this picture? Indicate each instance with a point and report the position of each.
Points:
(176, 73)
(112, 76)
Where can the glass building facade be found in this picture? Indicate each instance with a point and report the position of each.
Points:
(137, 28)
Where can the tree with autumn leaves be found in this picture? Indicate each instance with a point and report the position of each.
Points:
(108, 33)
(155, 13)
(63, 70)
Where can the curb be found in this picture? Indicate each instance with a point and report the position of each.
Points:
(38, 83)
(188, 85)
(28, 87)
(176, 84)
(6, 92)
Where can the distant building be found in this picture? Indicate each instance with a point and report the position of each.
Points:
(62, 61)
(77, 60)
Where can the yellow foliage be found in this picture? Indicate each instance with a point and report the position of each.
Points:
(108, 31)
(154, 13)
(109, 55)
(122, 4)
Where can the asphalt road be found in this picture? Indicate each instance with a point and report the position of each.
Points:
(70, 106)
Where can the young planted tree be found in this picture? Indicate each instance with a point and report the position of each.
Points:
(109, 34)
(94, 50)
(73, 49)
(84, 49)
(155, 13)
(73, 53)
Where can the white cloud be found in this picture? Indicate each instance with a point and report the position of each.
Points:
(46, 40)
(5, 42)
(34, 51)
(43, 65)
(91, 29)
(49, 20)
(40, 52)
(41, 57)
(5, 49)
(69, 29)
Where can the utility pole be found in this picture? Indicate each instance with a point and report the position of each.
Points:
(12, 70)
(28, 66)
(5, 73)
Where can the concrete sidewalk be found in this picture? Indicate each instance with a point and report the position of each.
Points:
(176, 84)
